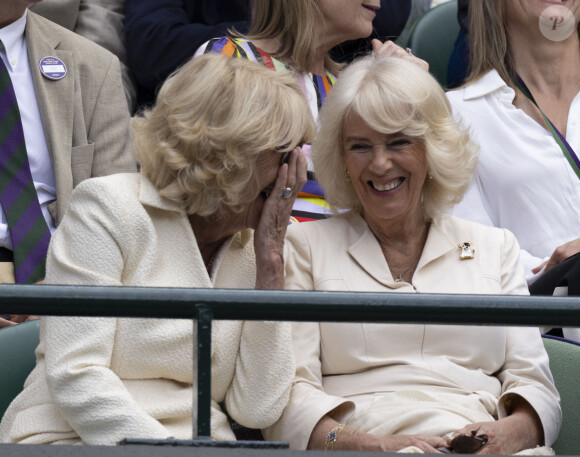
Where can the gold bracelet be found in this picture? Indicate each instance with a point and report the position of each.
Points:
(348, 432)
(332, 436)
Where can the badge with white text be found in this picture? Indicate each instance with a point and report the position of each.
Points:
(52, 68)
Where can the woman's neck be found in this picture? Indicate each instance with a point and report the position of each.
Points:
(402, 243)
(209, 236)
(547, 66)
(551, 71)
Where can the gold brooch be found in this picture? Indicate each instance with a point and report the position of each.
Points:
(467, 252)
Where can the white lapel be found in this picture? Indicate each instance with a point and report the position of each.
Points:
(234, 264)
(443, 238)
(366, 251)
(179, 227)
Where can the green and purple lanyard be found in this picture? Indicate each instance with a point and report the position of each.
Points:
(566, 148)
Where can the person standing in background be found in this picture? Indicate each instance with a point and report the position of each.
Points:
(388, 24)
(521, 102)
(61, 121)
(101, 21)
(161, 35)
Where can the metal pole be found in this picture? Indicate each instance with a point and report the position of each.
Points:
(204, 322)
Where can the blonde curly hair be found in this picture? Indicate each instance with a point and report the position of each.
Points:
(213, 118)
(393, 95)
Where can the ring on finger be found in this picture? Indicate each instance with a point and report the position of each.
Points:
(287, 192)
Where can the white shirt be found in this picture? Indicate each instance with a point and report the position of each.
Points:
(14, 53)
(523, 181)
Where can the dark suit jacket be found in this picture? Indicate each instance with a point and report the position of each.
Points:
(161, 34)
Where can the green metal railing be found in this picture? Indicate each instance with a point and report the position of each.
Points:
(205, 305)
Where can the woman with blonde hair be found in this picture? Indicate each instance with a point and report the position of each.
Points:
(522, 104)
(298, 35)
(220, 165)
(391, 153)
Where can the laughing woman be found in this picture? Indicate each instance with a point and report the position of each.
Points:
(297, 35)
(389, 150)
(220, 168)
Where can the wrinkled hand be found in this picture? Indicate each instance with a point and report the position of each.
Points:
(560, 254)
(271, 230)
(506, 436)
(388, 48)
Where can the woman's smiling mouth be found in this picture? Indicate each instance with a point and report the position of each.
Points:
(389, 186)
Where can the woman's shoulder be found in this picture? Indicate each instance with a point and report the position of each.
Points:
(116, 185)
(337, 226)
(465, 229)
(241, 48)
(113, 196)
(227, 45)
(489, 84)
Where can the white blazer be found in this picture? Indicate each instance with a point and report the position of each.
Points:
(339, 362)
(99, 380)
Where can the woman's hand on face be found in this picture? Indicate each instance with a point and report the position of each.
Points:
(388, 48)
(560, 254)
(270, 232)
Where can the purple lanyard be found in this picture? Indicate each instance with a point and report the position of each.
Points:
(566, 148)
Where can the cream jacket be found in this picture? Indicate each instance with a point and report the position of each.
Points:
(339, 360)
(99, 380)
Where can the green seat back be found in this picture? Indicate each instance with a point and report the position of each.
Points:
(565, 366)
(17, 359)
(433, 38)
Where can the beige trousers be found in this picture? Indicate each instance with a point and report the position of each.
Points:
(6, 273)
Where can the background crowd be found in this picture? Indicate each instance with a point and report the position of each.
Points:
(206, 128)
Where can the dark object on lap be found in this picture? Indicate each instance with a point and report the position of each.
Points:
(565, 274)
(466, 443)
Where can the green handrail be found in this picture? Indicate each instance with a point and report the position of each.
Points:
(230, 304)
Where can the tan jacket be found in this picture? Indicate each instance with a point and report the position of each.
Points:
(101, 380)
(335, 361)
(101, 21)
(84, 118)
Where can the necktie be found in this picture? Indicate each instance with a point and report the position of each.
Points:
(28, 230)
